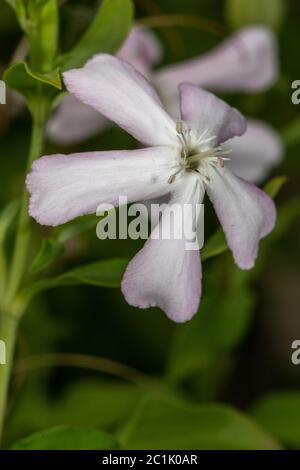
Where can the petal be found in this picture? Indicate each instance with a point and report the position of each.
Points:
(164, 273)
(246, 213)
(202, 110)
(247, 61)
(256, 152)
(74, 121)
(119, 92)
(142, 50)
(63, 187)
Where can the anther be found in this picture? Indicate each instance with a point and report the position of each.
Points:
(173, 177)
(179, 127)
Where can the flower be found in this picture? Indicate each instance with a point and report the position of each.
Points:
(246, 61)
(256, 152)
(181, 159)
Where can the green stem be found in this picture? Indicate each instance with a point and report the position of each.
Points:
(9, 317)
(8, 329)
(23, 233)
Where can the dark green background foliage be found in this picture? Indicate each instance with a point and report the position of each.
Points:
(222, 381)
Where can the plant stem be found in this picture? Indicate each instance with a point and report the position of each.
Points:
(9, 316)
(101, 364)
(8, 329)
(191, 21)
(23, 233)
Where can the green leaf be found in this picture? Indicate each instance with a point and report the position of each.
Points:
(42, 33)
(106, 33)
(73, 229)
(215, 245)
(53, 247)
(240, 13)
(49, 251)
(106, 273)
(165, 423)
(21, 78)
(273, 186)
(67, 438)
(279, 413)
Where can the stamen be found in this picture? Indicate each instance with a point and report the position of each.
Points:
(203, 175)
(203, 134)
(181, 136)
(181, 140)
(172, 178)
(226, 152)
(209, 139)
(193, 158)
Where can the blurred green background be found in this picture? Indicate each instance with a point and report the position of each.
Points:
(161, 386)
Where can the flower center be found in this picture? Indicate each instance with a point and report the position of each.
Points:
(198, 153)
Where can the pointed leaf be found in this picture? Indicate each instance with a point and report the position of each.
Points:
(107, 273)
(273, 186)
(106, 33)
(73, 229)
(49, 251)
(166, 423)
(215, 245)
(21, 78)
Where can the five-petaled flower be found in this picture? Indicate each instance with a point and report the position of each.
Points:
(183, 160)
